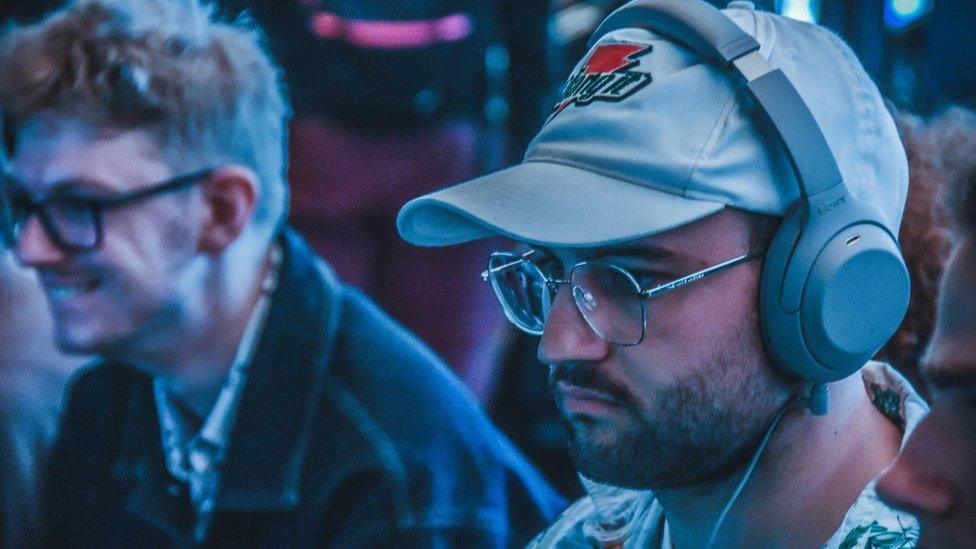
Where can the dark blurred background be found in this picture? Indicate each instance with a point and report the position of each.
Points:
(394, 99)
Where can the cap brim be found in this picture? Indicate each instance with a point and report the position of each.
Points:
(549, 205)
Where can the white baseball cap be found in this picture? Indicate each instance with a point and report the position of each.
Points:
(649, 137)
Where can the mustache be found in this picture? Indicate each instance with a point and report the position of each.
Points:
(586, 376)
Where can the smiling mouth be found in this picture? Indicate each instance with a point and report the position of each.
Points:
(66, 290)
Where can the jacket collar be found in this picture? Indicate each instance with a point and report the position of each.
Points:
(270, 437)
(268, 442)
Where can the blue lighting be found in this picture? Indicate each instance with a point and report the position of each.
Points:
(804, 10)
(902, 14)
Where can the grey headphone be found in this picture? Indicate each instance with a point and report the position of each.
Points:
(834, 286)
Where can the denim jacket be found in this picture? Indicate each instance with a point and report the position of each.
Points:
(349, 433)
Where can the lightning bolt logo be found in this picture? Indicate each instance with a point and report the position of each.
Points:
(606, 76)
(613, 58)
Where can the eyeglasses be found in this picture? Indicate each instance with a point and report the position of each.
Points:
(74, 223)
(609, 297)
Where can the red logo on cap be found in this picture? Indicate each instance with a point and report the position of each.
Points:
(605, 76)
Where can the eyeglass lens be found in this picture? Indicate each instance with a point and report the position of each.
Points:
(607, 297)
(610, 301)
(521, 288)
(71, 222)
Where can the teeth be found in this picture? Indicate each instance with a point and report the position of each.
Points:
(64, 292)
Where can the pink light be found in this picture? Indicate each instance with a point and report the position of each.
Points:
(391, 34)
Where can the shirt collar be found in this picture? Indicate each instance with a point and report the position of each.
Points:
(197, 457)
(268, 440)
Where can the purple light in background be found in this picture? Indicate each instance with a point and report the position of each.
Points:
(391, 34)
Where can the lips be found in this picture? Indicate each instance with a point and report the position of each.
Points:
(66, 287)
(586, 400)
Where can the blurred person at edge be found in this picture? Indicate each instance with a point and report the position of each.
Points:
(393, 100)
(935, 475)
(939, 149)
(647, 208)
(33, 376)
(245, 397)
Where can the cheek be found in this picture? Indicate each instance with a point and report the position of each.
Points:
(149, 242)
(944, 448)
(692, 351)
(690, 324)
(927, 447)
(965, 423)
(180, 225)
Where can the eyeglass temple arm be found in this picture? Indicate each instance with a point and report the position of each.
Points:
(171, 185)
(675, 284)
(487, 272)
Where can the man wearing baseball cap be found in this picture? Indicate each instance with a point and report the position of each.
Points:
(705, 231)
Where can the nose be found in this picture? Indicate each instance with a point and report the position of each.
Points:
(34, 246)
(567, 337)
(903, 486)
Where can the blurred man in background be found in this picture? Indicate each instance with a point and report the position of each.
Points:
(245, 396)
(392, 100)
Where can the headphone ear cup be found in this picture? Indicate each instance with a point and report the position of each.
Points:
(780, 328)
(855, 298)
(823, 321)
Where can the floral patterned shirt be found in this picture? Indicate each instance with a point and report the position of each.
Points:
(615, 517)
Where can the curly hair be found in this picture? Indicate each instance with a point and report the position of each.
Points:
(939, 150)
(207, 88)
(957, 130)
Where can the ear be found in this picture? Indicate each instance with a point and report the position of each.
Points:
(230, 196)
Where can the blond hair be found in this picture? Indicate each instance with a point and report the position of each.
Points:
(207, 87)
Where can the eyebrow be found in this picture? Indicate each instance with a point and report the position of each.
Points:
(69, 185)
(62, 187)
(637, 251)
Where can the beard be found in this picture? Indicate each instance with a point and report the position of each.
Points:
(701, 430)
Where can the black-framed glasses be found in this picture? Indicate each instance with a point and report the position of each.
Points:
(74, 223)
(608, 296)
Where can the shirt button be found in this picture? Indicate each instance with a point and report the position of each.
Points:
(173, 490)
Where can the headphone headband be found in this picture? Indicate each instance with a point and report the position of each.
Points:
(834, 285)
(693, 24)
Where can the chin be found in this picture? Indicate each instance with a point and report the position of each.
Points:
(597, 452)
(80, 341)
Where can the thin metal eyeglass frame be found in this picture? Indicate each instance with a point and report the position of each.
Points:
(643, 293)
(97, 206)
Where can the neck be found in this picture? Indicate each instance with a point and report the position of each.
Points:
(195, 361)
(809, 475)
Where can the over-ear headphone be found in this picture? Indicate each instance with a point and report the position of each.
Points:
(834, 285)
